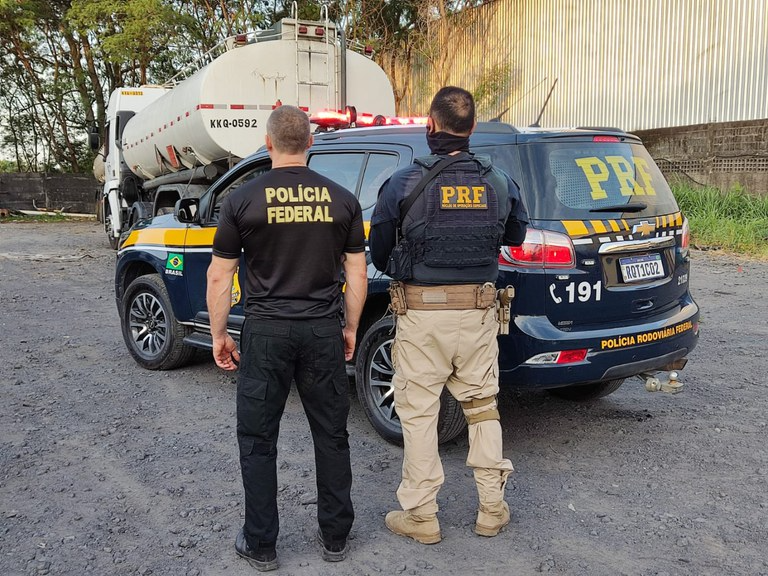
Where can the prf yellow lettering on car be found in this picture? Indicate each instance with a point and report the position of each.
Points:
(641, 165)
(646, 337)
(236, 290)
(626, 175)
(596, 172)
(463, 197)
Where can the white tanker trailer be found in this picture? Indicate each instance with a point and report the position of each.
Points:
(165, 142)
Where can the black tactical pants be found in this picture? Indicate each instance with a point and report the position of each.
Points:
(275, 352)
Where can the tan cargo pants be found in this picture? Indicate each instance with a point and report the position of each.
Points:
(458, 349)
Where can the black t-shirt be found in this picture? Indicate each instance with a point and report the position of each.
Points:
(293, 226)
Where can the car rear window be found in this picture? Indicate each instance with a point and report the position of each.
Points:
(578, 180)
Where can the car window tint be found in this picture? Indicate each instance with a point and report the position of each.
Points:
(378, 168)
(229, 188)
(573, 178)
(343, 167)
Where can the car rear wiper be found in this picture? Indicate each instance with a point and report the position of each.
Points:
(639, 207)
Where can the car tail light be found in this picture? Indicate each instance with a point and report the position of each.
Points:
(685, 237)
(540, 249)
(559, 357)
(606, 139)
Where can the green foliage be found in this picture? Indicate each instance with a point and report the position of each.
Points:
(492, 87)
(38, 218)
(129, 31)
(61, 59)
(734, 221)
(8, 166)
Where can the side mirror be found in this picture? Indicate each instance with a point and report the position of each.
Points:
(187, 210)
(93, 138)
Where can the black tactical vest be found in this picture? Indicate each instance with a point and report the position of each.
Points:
(454, 230)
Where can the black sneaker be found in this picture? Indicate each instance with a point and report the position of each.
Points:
(333, 551)
(263, 558)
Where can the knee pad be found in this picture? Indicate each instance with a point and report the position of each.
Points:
(480, 409)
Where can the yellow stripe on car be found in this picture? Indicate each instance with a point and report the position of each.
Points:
(575, 228)
(599, 226)
(165, 237)
(160, 236)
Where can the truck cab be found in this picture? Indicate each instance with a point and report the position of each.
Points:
(121, 187)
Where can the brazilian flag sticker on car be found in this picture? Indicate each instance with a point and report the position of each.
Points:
(175, 264)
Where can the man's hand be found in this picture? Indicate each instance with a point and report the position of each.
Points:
(219, 300)
(225, 353)
(350, 337)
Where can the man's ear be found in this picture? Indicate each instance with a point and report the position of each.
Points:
(430, 125)
(311, 141)
(268, 142)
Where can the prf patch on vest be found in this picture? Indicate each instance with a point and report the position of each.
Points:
(473, 197)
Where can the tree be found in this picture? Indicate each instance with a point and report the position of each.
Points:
(404, 32)
(40, 88)
(131, 33)
(62, 58)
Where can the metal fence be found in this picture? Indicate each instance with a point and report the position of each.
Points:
(634, 64)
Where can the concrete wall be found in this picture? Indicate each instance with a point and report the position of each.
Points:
(32, 190)
(721, 155)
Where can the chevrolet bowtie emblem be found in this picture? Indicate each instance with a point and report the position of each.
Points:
(644, 228)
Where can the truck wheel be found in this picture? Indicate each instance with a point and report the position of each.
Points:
(113, 242)
(375, 391)
(150, 330)
(588, 391)
(139, 211)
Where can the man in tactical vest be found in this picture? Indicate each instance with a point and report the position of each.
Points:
(436, 230)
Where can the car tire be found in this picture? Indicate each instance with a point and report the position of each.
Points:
(375, 391)
(587, 392)
(150, 330)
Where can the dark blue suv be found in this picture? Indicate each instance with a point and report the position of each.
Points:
(601, 281)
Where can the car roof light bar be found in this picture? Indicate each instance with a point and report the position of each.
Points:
(336, 119)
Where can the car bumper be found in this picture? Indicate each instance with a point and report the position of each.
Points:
(612, 353)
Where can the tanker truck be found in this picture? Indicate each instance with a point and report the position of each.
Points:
(165, 142)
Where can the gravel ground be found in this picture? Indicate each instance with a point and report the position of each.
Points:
(110, 469)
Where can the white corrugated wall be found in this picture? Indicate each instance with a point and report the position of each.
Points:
(634, 64)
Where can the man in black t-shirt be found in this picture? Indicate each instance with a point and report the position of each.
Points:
(297, 230)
